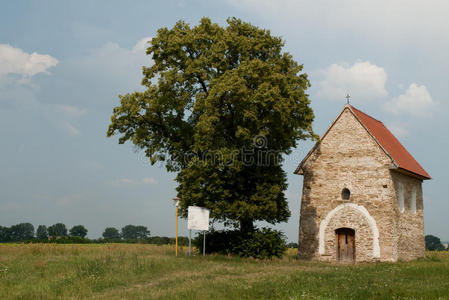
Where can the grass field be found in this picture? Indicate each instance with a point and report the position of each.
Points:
(130, 271)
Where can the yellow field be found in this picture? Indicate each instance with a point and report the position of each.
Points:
(132, 271)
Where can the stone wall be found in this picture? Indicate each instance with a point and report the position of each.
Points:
(347, 157)
(409, 234)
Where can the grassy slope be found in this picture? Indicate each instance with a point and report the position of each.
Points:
(118, 271)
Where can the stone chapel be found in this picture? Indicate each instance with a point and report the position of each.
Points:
(362, 195)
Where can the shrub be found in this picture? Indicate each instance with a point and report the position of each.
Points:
(261, 243)
(264, 243)
(183, 241)
(292, 245)
(60, 240)
(161, 240)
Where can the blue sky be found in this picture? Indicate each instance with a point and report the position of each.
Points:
(63, 63)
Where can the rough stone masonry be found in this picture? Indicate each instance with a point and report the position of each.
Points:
(359, 177)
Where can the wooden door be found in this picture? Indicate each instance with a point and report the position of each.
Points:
(345, 244)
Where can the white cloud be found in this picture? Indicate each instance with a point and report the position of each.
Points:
(383, 19)
(415, 101)
(92, 79)
(16, 61)
(362, 80)
(103, 74)
(141, 46)
(83, 81)
(110, 64)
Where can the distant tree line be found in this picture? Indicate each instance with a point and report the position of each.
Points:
(132, 233)
(58, 233)
(433, 243)
(24, 232)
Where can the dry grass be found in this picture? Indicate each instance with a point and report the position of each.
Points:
(128, 271)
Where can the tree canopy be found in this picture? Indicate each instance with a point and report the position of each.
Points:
(78, 230)
(5, 235)
(58, 229)
(222, 106)
(21, 232)
(135, 232)
(433, 243)
(111, 233)
(41, 232)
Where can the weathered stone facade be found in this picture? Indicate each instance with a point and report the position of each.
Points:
(409, 224)
(349, 157)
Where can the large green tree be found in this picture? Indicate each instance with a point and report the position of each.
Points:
(41, 232)
(222, 106)
(135, 232)
(21, 232)
(78, 230)
(5, 234)
(58, 229)
(433, 243)
(111, 233)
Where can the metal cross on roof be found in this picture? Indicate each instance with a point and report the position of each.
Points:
(347, 98)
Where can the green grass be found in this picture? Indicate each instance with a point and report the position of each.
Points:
(130, 271)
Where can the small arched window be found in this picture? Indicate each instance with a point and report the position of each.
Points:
(345, 194)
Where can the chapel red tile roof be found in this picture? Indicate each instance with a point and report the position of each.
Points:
(390, 143)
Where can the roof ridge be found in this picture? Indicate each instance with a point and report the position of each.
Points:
(365, 114)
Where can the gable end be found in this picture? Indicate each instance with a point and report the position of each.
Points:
(299, 170)
(401, 159)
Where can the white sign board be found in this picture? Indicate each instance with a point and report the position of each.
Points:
(198, 218)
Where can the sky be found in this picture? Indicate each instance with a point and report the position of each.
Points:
(64, 63)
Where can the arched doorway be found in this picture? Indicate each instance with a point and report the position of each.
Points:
(345, 244)
(349, 215)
